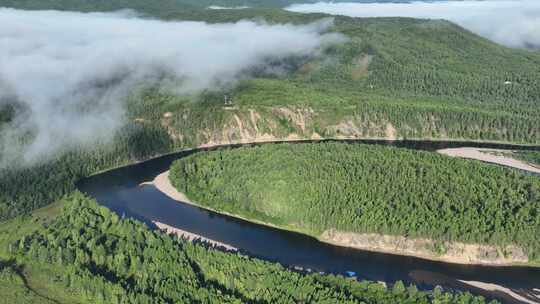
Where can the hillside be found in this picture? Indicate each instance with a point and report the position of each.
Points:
(425, 79)
(395, 78)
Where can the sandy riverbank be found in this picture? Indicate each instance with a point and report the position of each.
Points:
(523, 296)
(507, 295)
(457, 253)
(162, 183)
(192, 236)
(493, 156)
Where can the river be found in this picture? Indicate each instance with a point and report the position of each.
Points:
(120, 190)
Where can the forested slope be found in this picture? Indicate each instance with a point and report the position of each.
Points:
(395, 78)
(25, 188)
(367, 189)
(426, 78)
(86, 254)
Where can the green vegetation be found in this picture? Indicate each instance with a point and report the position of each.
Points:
(367, 189)
(433, 69)
(532, 157)
(428, 79)
(395, 77)
(14, 289)
(25, 188)
(86, 254)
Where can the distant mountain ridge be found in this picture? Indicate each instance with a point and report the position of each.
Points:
(89, 5)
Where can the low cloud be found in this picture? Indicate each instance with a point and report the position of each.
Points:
(514, 23)
(70, 71)
(217, 7)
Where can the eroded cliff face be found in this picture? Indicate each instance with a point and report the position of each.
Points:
(452, 252)
(234, 125)
(273, 124)
(195, 126)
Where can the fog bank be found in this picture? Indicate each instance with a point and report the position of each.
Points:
(71, 70)
(514, 23)
(217, 7)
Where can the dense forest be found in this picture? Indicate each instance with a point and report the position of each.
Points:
(25, 188)
(84, 253)
(394, 77)
(367, 189)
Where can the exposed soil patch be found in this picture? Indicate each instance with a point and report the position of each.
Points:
(453, 252)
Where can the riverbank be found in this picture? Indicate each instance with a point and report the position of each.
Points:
(163, 184)
(506, 294)
(494, 156)
(456, 253)
(523, 296)
(192, 237)
(151, 204)
(293, 138)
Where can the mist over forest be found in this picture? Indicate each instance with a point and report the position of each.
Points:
(115, 113)
(514, 23)
(65, 74)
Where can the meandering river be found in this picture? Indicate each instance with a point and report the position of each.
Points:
(120, 190)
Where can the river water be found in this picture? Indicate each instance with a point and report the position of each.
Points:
(119, 190)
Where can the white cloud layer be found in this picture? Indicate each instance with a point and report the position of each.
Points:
(217, 7)
(514, 23)
(57, 63)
